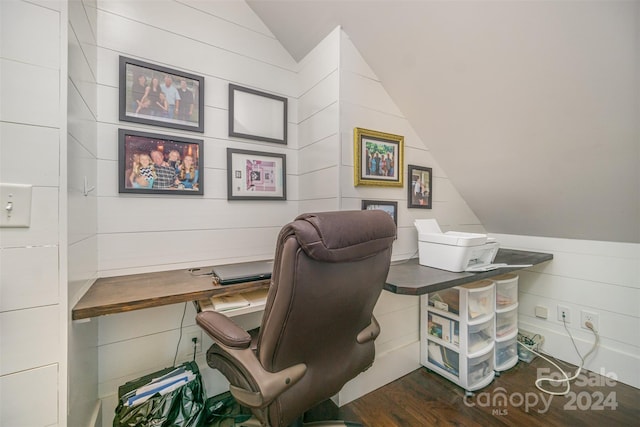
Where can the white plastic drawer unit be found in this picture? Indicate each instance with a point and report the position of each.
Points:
(457, 334)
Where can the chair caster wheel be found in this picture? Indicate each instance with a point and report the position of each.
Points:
(468, 393)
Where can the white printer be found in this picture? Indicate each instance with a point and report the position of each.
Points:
(453, 251)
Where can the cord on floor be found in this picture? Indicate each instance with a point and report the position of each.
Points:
(566, 378)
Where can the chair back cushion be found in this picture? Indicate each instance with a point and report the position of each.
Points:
(329, 270)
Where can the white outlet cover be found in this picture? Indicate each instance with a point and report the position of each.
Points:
(15, 205)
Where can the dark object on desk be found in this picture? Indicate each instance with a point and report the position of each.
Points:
(170, 397)
(230, 274)
(318, 328)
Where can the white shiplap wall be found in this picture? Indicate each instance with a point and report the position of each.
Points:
(599, 277)
(226, 43)
(82, 162)
(365, 103)
(33, 303)
(318, 114)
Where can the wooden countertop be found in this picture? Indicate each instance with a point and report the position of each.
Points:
(133, 292)
(411, 278)
(120, 294)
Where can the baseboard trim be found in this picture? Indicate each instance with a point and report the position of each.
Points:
(96, 415)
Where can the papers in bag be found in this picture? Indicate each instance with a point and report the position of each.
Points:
(161, 385)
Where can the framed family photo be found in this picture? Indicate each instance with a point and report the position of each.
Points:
(255, 175)
(378, 158)
(159, 164)
(420, 187)
(257, 115)
(389, 207)
(160, 96)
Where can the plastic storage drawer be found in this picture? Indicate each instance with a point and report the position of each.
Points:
(506, 322)
(506, 290)
(480, 369)
(480, 337)
(480, 300)
(506, 354)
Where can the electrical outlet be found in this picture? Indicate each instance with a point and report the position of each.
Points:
(564, 313)
(588, 316)
(188, 337)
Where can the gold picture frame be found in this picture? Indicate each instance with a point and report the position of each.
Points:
(378, 158)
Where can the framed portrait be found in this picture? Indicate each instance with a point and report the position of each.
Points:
(378, 158)
(257, 115)
(160, 96)
(255, 175)
(159, 164)
(389, 207)
(419, 191)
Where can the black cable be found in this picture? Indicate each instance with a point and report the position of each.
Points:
(180, 337)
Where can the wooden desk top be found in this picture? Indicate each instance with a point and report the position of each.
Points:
(126, 293)
(411, 278)
(133, 292)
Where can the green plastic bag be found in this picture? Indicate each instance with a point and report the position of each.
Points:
(224, 411)
(182, 407)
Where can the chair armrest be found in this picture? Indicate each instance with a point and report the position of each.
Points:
(369, 333)
(270, 384)
(235, 342)
(222, 329)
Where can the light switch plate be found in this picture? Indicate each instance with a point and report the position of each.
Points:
(15, 205)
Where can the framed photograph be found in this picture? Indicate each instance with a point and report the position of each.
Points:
(378, 158)
(254, 175)
(419, 189)
(257, 115)
(159, 164)
(389, 207)
(160, 96)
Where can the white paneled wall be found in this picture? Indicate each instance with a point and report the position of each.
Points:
(318, 115)
(365, 103)
(33, 306)
(82, 208)
(599, 277)
(226, 43)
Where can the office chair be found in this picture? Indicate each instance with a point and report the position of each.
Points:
(318, 328)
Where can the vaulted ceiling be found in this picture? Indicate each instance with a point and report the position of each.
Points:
(531, 108)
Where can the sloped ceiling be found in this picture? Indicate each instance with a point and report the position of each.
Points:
(531, 108)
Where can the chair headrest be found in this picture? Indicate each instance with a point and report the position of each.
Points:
(344, 235)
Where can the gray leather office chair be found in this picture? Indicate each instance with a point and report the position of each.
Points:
(318, 328)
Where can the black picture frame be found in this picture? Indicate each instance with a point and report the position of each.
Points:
(257, 115)
(419, 176)
(387, 206)
(256, 175)
(136, 153)
(138, 106)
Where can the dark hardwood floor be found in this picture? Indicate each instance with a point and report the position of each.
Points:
(423, 398)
